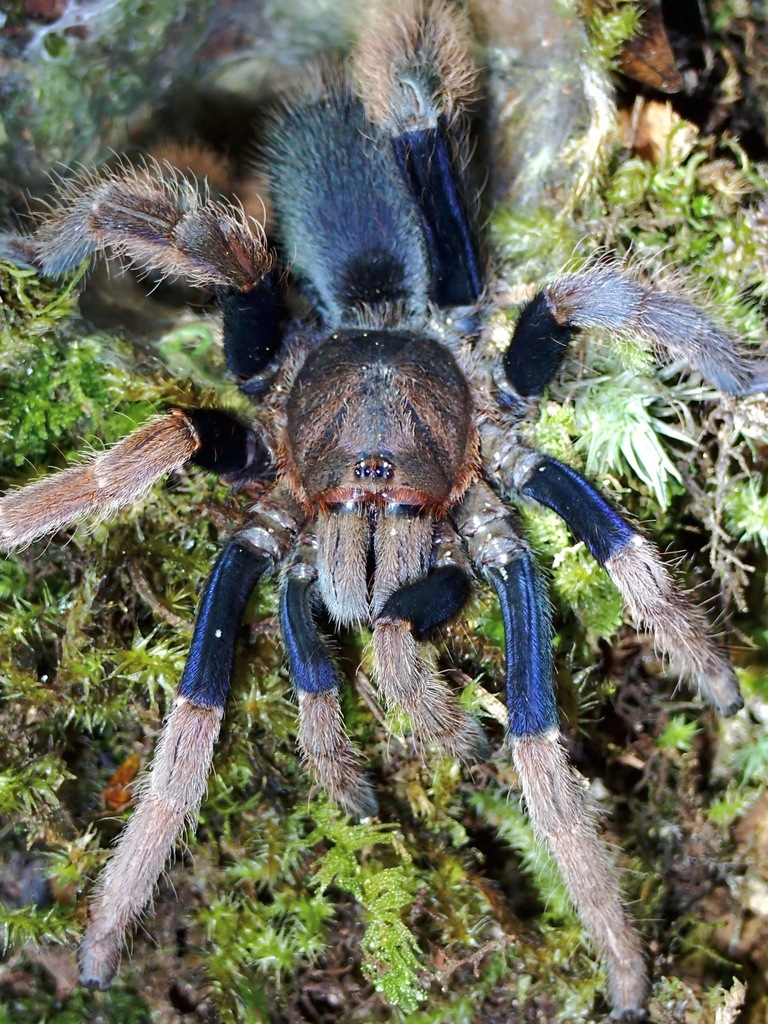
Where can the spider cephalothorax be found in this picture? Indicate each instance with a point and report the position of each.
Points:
(390, 431)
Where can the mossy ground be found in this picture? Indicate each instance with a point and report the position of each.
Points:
(279, 908)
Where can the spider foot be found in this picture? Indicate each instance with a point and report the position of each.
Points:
(407, 681)
(678, 627)
(102, 484)
(560, 817)
(412, 64)
(157, 219)
(605, 297)
(172, 794)
(330, 755)
(629, 1016)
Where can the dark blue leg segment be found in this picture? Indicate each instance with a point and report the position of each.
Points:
(208, 672)
(252, 327)
(430, 602)
(227, 447)
(425, 160)
(309, 662)
(537, 348)
(587, 513)
(328, 751)
(528, 640)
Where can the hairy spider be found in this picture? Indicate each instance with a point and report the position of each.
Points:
(391, 429)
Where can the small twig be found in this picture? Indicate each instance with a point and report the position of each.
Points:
(500, 945)
(146, 593)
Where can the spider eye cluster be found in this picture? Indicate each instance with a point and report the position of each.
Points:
(376, 467)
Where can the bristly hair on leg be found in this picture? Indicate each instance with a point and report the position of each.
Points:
(560, 817)
(407, 681)
(157, 219)
(172, 795)
(403, 547)
(330, 755)
(343, 540)
(412, 64)
(677, 626)
(100, 486)
(653, 598)
(605, 296)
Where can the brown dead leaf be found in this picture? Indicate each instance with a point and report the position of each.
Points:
(117, 793)
(655, 132)
(647, 57)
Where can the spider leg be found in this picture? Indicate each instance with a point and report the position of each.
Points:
(554, 797)
(551, 788)
(159, 219)
(328, 751)
(253, 330)
(430, 602)
(154, 217)
(171, 797)
(126, 472)
(402, 586)
(649, 591)
(415, 74)
(604, 297)
(174, 788)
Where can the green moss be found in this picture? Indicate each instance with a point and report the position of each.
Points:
(610, 26)
(540, 243)
(746, 511)
(678, 734)
(392, 955)
(22, 925)
(508, 817)
(586, 587)
(25, 792)
(624, 429)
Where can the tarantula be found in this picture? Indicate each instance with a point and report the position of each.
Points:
(391, 429)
